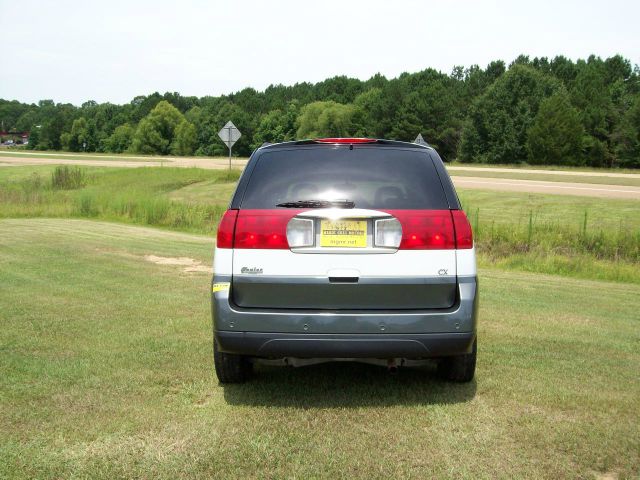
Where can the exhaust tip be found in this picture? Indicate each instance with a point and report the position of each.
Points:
(392, 366)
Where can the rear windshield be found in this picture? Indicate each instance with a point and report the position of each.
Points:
(376, 178)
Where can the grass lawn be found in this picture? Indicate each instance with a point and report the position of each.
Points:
(210, 192)
(106, 372)
(486, 207)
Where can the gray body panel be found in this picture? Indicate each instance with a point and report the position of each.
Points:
(331, 333)
(370, 293)
(281, 345)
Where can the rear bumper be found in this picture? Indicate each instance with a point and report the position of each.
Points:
(346, 333)
(280, 345)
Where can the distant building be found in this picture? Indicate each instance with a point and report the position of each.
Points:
(13, 137)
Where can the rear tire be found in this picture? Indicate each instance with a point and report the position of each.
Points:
(459, 368)
(231, 368)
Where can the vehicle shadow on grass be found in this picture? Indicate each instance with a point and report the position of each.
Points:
(346, 385)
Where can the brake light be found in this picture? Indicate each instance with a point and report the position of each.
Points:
(425, 229)
(265, 229)
(464, 234)
(225, 229)
(345, 140)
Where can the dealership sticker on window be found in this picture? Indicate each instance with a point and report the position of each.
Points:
(220, 287)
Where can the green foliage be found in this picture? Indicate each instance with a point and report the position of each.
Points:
(555, 138)
(156, 131)
(596, 152)
(591, 97)
(277, 126)
(148, 139)
(326, 119)
(473, 114)
(211, 116)
(499, 120)
(185, 139)
(120, 140)
(68, 178)
(76, 139)
(370, 111)
(627, 136)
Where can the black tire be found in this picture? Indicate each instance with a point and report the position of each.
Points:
(459, 368)
(230, 368)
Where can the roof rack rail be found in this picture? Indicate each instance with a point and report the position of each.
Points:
(346, 141)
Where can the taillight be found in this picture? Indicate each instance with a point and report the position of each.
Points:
(425, 229)
(225, 229)
(464, 235)
(263, 228)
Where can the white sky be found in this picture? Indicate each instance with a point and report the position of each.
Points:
(73, 51)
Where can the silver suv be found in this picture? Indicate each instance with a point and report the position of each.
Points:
(344, 249)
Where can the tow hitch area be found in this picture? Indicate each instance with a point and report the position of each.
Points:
(392, 364)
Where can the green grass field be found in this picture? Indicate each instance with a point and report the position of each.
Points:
(578, 236)
(106, 372)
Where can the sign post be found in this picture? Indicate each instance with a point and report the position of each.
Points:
(229, 135)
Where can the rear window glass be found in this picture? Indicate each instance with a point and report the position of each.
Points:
(376, 178)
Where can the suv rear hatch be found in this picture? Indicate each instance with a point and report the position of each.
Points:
(344, 227)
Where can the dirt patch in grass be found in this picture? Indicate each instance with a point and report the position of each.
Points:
(606, 476)
(190, 265)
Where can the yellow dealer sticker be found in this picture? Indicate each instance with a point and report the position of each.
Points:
(220, 287)
(343, 233)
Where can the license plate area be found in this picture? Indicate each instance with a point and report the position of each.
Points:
(344, 233)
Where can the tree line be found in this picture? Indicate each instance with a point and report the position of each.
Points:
(536, 111)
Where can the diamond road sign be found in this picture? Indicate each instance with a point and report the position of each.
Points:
(229, 134)
(421, 141)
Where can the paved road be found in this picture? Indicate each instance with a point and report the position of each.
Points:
(557, 188)
(198, 161)
(484, 183)
(102, 161)
(544, 172)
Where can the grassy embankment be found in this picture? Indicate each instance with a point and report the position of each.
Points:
(578, 236)
(139, 196)
(106, 372)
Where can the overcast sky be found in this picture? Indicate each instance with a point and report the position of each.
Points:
(73, 51)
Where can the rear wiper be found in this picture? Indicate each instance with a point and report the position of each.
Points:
(318, 204)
